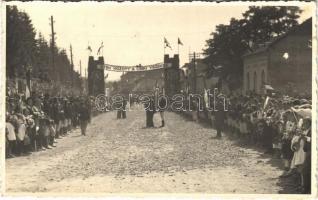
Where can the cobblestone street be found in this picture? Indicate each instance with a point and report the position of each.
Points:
(122, 156)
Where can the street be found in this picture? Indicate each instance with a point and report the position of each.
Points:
(120, 156)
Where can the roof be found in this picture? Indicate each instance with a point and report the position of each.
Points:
(306, 24)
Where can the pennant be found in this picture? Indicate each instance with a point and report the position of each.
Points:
(266, 102)
(167, 43)
(89, 48)
(100, 48)
(179, 42)
(28, 84)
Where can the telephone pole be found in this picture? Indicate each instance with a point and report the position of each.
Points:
(80, 68)
(71, 57)
(193, 59)
(72, 65)
(52, 49)
(194, 75)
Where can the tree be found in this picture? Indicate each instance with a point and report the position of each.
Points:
(42, 61)
(264, 23)
(20, 42)
(230, 42)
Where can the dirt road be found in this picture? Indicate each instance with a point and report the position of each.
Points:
(122, 156)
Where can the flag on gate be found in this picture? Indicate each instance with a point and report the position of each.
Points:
(179, 42)
(89, 48)
(167, 44)
(100, 48)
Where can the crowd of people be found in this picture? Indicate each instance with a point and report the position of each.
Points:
(36, 122)
(280, 124)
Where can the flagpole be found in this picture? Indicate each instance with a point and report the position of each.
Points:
(178, 47)
(164, 48)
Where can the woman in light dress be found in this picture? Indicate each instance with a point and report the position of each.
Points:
(297, 145)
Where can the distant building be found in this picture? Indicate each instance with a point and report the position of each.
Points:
(166, 79)
(283, 64)
(197, 79)
(142, 81)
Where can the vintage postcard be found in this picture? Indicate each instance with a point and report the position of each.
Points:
(152, 98)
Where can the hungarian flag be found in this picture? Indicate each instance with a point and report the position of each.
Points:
(179, 42)
(167, 43)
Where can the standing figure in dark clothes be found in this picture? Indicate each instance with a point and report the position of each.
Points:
(84, 116)
(219, 114)
(162, 107)
(55, 116)
(307, 164)
(123, 110)
(150, 111)
(119, 108)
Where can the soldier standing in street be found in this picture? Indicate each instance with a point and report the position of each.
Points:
(219, 114)
(162, 107)
(150, 111)
(84, 116)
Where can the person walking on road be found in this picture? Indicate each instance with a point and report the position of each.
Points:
(162, 107)
(84, 116)
(150, 111)
(219, 114)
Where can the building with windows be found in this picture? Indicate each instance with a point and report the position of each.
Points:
(283, 64)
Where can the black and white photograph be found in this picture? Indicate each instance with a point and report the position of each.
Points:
(159, 98)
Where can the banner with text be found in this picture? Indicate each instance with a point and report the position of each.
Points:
(136, 68)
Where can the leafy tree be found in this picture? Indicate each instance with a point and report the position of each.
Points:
(23, 50)
(43, 56)
(20, 42)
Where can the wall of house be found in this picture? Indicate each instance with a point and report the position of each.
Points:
(292, 75)
(255, 72)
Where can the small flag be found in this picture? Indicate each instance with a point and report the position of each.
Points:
(179, 42)
(89, 48)
(266, 102)
(28, 84)
(27, 92)
(100, 48)
(167, 43)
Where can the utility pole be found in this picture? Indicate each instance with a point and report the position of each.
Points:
(71, 52)
(80, 68)
(72, 65)
(52, 49)
(193, 59)
(194, 75)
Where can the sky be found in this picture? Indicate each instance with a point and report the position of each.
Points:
(132, 33)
